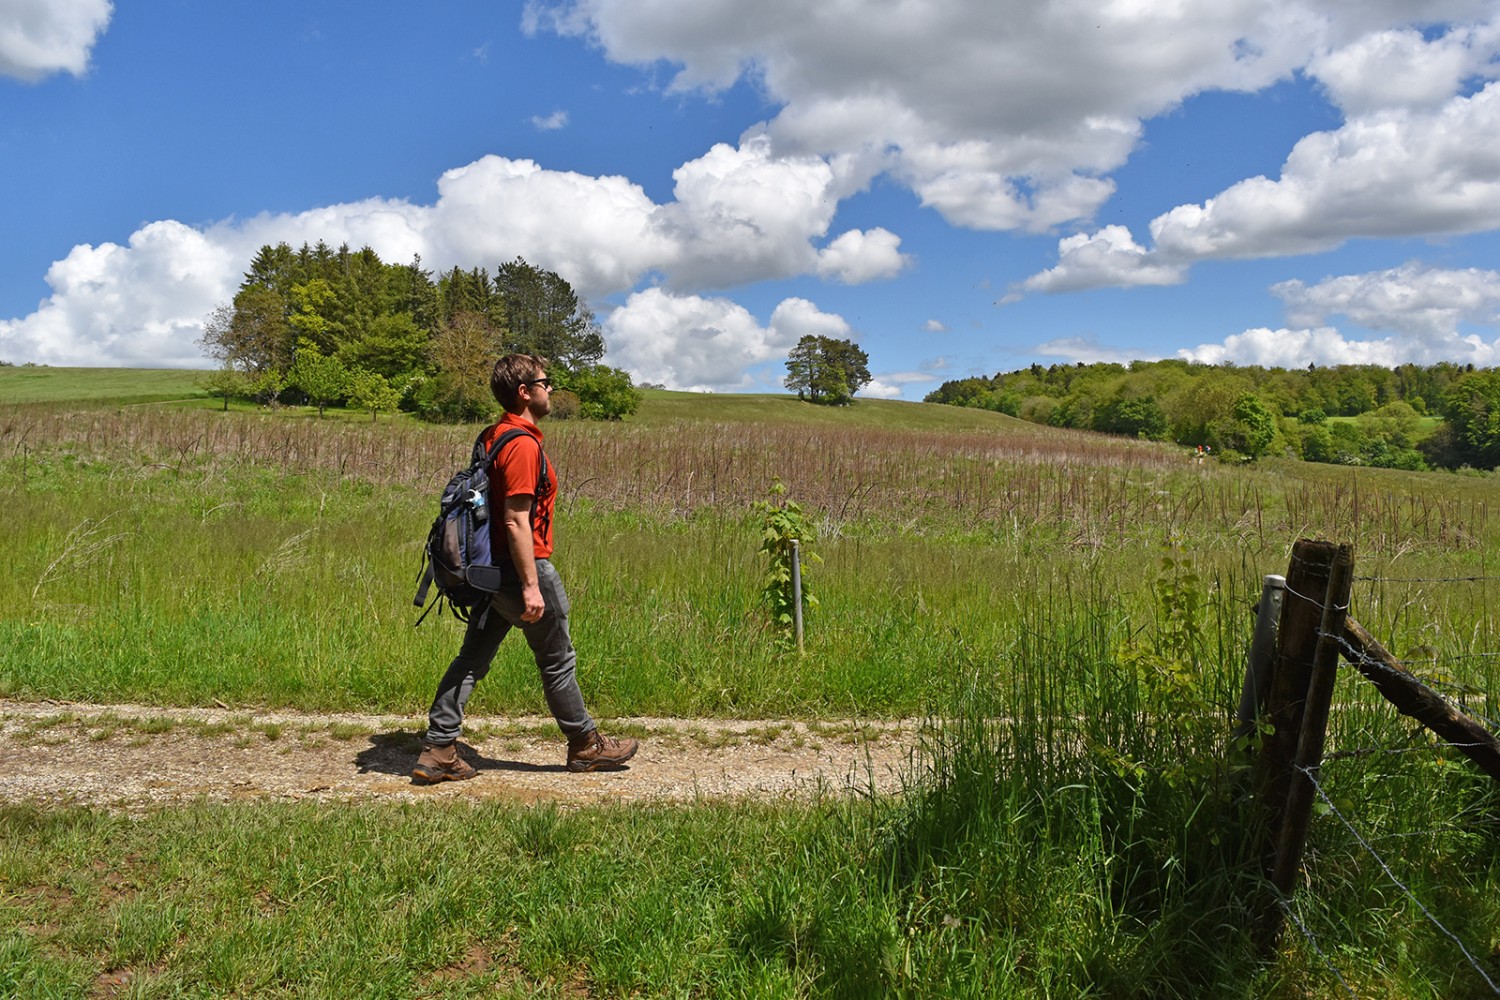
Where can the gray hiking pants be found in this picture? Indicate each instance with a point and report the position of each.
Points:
(550, 644)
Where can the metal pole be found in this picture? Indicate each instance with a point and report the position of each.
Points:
(797, 592)
(1262, 654)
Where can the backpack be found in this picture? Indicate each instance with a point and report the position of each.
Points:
(460, 556)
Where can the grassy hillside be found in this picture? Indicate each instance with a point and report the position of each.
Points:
(37, 384)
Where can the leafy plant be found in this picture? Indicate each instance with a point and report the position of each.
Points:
(783, 523)
(1169, 664)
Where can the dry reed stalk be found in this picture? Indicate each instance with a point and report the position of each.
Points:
(1080, 486)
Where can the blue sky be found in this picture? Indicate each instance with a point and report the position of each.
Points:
(962, 186)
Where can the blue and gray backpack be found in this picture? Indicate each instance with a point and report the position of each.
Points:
(460, 558)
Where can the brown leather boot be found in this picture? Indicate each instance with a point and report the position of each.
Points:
(596, 752)
(441, 764)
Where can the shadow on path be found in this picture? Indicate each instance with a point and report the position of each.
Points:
(396, 752)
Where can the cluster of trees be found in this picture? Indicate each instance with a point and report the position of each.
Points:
(1410, 417)
(343, 327)
(827, 370)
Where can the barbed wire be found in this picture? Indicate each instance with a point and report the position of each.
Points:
(1393, 751)
(1287, 908)
(1316, 602)
(1425, 579)
(1433, 684)
(1312, 777)
(1360, 656)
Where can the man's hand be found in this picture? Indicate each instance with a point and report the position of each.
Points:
(533, 605)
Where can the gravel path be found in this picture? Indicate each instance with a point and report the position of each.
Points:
(136, 757)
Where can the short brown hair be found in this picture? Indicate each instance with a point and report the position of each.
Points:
(509, 374)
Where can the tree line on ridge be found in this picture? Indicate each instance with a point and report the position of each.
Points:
(1444, 415)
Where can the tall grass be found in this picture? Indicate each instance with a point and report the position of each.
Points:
(194, 556)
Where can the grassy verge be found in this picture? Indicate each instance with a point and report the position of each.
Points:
(1069, 834)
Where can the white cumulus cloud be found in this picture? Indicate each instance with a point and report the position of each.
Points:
(41, 37)
(999, 116)
(140, 305)
(1396, 173)
(1403, 68)
(740, 216)
(550, 123)
(1424, 308)
(1425, 303)
(743, 214)
(859, 256)
(1110, 257)
(598, 232)
(706, 344)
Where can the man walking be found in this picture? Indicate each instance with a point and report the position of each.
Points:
(533, 602)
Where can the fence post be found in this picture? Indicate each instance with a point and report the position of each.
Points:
(1292, 842)
(1301, 616)
(1417, 700)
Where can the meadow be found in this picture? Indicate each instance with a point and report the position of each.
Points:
(1071, 610)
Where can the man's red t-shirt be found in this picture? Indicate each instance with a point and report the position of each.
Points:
(515, 473)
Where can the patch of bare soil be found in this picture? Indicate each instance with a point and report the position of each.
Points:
(136, 757)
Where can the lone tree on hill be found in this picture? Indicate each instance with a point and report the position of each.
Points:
(825, 370)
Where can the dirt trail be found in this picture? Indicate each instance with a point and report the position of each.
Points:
(135, 757)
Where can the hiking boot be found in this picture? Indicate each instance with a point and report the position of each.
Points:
(596, 752)
(441, 764)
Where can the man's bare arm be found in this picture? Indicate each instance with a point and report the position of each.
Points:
(519, 539)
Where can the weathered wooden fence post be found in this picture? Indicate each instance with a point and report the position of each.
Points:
(1297, 818)
(1417, 700)
(1301, 617)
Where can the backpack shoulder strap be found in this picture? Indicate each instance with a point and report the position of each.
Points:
(478, 453)
(542, 476)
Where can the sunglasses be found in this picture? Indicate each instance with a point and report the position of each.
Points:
(545, 383)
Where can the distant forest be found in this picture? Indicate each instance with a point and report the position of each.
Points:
(1409, 417)
(334, 326)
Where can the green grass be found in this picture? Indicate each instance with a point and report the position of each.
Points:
(1075, 829)
(41, 383)
(1038, 853)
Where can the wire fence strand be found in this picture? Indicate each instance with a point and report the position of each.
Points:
(1308, 934)
(1328, 802)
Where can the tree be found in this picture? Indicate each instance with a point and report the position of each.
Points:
(227, 383)
(603, 393)
(801, 366)
(472, 292)
(252, 335)
(463, 355)
(544, 316)
(372, 391)
(1139, 416)
(323, 378)
(313, 302)
(1249, 428)
(1472, 407)
(1317, 444)
(391, 345)
(826, 370)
